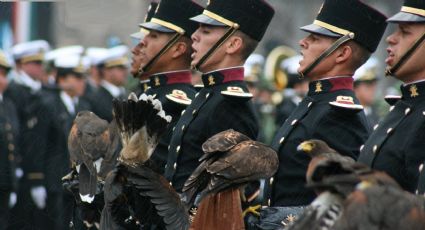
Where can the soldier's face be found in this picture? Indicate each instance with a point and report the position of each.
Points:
(34, 69)
(398, 43)
(312, 47)
(203, 39)
(3, 80)
(151, 45)
(116, 75)
(73, 85)
(136, 59)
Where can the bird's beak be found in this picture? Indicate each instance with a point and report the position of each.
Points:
(305, 146)
(364, 185)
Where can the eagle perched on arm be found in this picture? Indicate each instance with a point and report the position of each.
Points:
(230, 162)
(136, 196)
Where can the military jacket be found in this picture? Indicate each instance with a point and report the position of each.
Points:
(175, 92)
(224, 103)
(29, 108)
(330, 112)
(397, 143)
(9, 128)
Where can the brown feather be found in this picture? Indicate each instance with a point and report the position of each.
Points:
(220, 211)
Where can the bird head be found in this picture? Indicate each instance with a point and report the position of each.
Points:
(314, 147)
(306, 146)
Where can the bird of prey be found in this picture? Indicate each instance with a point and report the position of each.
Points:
(91, 143)
(136, 196)
(231, 160)
(334, 177)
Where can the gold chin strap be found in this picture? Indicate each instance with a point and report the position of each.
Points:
(326, 53)
(219, 43)
(171, 42)
(390, 71)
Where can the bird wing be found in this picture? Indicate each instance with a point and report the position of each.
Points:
(247, 161)
(112, 153)
(167, 202)
(74, 146)
(222, 142)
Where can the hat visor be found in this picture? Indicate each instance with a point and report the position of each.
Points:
(204, 19)
(406, 17)
(315, 29)
(156, 27)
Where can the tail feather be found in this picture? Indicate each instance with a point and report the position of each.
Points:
(87, 185)
(220, 211)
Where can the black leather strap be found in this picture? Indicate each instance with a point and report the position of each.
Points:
(391, 71)
(326, 53)
(170, 43)
(219, 43)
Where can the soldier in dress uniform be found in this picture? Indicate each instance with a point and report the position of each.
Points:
(166, 57)
(365, 85)
(62, 108)
(340, 40)
(25, 90)
(114, 70)
(137, 55)
(229, 32)
(9, 127)
(397, 144)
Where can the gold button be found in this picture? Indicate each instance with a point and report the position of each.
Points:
(423, 113)
(389, 130)
(165, 166)
(196, 94)
(375, 148)
(11, 147)
(407, 111)
(183, 127)
(174, 128)
(391, 108)
(171, 183)
(282, 140)
(178, 149)
(269, 202)
(375, 127)
(361, 147)
(208, 94)
(183, 111)
(294, 122)
(310, 104)
(175, 165)
(271, 180)
(169, 147)
(421, 167)
(193, 112)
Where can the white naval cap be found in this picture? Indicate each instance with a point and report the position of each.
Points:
(74, 62)
(96, 55)
(30, 51)
(253, 67)
(5, 61)
(62, 51)
(368, 71)
(291, 65)
(117, 56)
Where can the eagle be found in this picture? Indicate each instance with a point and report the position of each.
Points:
(136, 196)
(335, 178)
(230, 162)
(92, 143)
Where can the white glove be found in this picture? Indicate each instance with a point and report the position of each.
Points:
(39, 196)
(19, 173)
(12, 199)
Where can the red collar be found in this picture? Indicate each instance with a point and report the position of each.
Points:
(223, 76)
(330, 85)
(178, 77)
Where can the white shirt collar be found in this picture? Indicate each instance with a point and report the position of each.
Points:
(69, 102)
(415, 82)
(114, 90)
(23, 78)
(234, 67)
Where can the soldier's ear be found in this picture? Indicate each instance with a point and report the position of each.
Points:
(179, 49)
(343, 54)
(234, 44)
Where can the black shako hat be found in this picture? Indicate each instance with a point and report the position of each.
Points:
(151, 11)
(411, 11)
(173, 16)
(337, 18)
(252, 17)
